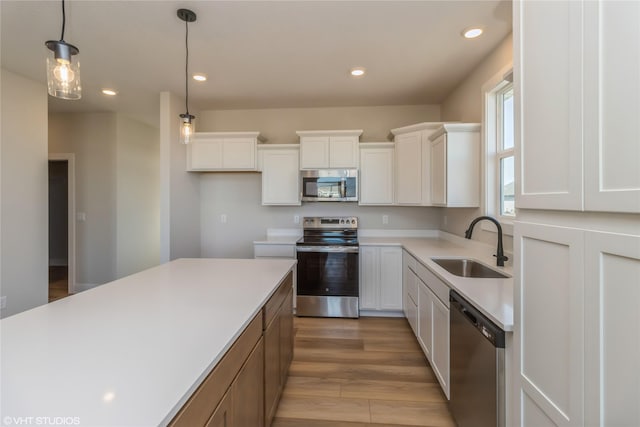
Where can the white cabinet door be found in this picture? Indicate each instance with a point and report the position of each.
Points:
(239, 153)
(439, 171)
(549, 327)
(314, 152)
(223, 151)
(376, 175)
(548, 83)
(380, 278)
(369, 277)
(280, 176)
(612, 363)
(612, 106)
(343, 152)
(440, 352)
(408, 158)
(390, 278)
(205, 154)
(425, 318)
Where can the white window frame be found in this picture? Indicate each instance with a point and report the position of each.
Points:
(490, 140)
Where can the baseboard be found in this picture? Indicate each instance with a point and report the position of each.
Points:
(85, 286)
(375, 313)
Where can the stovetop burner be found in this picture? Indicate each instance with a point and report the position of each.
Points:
(332, 231)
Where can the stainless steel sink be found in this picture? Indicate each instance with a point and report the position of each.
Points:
(468, 268)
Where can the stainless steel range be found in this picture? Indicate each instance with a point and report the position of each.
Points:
(328, 267)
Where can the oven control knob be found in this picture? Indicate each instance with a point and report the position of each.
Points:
(342, 221)
(326, 289)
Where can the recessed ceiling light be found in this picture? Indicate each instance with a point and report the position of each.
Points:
(109, 92)
(357, 72)
(199, 77)
(472, 33)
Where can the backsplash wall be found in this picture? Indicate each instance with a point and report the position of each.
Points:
(238, 196)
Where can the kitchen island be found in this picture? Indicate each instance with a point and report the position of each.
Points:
(133, 351)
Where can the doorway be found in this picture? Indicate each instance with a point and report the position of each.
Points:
(62, 277)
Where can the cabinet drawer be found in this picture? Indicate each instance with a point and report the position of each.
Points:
(199, 408)
(436, 285)
(274, 251)
(412, 287)
(412, 263)
(273, 305)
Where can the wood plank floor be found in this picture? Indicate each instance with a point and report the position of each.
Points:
(360, 373)
(58, 283)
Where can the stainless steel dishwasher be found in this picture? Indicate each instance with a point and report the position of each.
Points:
(477, 367)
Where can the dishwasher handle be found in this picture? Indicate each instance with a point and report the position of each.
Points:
(487, 328)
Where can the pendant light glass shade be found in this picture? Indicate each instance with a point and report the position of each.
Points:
(186, 120)
(186, 128)
(63, 71)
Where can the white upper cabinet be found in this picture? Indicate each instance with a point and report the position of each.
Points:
(412, 163)
(223, 151)
(577, 79)
(337, 149)
(376, 173)
(279, 164)
(612, 106)
(455, 165)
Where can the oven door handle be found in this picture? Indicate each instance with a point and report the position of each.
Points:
(329, 249)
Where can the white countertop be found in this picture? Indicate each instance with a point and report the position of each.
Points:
(493, 297)
(132, 351)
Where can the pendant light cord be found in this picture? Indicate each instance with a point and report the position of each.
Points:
(64, 21)
(186, 66)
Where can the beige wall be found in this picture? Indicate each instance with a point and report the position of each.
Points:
(92, 138)
(279, 125)
(179, 190)
(24, 201)
(117, 188)
(465, 104)
(238, 195)
(138, 196)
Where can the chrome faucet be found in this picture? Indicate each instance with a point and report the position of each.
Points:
(501, 258)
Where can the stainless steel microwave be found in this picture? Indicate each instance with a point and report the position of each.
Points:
(330, 185)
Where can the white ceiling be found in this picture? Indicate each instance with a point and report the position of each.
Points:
(262, 54)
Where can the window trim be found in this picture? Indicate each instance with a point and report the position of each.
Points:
(491, 164)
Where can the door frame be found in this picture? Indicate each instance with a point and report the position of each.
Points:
(70, 158)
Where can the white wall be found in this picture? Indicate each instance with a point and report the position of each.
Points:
(24, 207)
(465, 104)
(179, 190)
(279, 125)
(92, 138)
(138, 196)
(238, 196)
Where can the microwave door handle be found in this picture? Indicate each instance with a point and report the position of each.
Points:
(343, 188)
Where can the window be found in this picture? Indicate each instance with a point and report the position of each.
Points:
(499, 142)
(504, 152)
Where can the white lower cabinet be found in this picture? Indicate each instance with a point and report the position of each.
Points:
(381, 278)
(427, 311)
(577, 326)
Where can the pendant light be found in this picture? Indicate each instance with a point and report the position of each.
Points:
(186, 119)
(63, 73)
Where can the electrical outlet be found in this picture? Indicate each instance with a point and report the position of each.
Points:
(385, 219)
(223, 218)
(296, 219)
(3, 302)
(81, 216)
